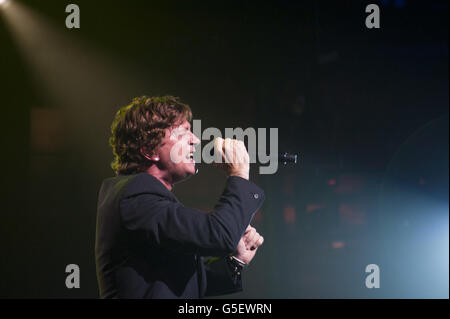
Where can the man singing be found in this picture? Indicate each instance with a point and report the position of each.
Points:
(148, 245)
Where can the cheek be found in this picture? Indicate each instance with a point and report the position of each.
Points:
(164, 155)
(165, 151)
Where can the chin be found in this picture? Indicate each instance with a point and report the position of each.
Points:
(191, 172)
(191, 168)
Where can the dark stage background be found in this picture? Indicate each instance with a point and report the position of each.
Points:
(367, 108)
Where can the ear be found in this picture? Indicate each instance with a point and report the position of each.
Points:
(153, 157)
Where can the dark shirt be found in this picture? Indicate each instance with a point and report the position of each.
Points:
(148, 245)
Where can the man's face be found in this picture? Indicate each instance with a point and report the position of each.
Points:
(176, 152)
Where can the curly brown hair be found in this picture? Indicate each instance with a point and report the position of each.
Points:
(141, 125)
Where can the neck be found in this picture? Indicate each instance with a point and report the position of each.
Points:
(157, 173)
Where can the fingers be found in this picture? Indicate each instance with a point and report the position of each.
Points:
(231, 156)
(258, 243)
(241, 152)
(248, 238)
(252, 238)
(228, 150)
(231, 150)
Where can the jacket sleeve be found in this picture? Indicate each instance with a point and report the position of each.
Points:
(224, 276)
(159, 220)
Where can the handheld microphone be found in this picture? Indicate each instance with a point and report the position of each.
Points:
(283, 158)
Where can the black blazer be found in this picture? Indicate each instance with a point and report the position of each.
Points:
(148, 245)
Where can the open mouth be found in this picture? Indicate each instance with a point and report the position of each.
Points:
(190, 157)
